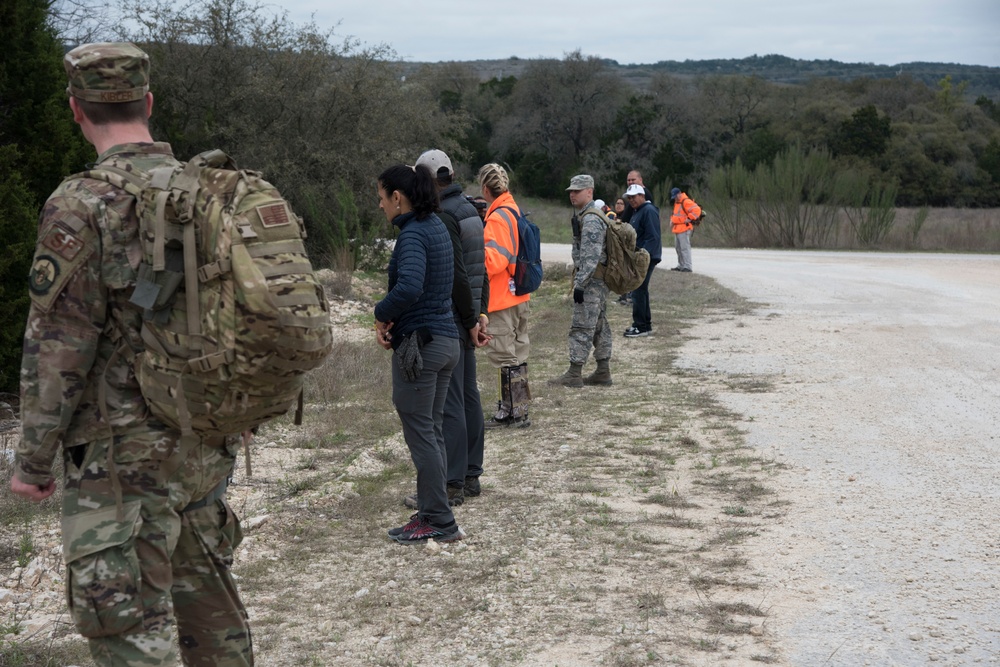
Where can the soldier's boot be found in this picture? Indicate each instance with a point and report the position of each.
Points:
(502, 417)
(520, 395)
(571, 378)
(602, 376)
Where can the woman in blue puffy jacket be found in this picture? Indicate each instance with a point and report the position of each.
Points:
(415, 320)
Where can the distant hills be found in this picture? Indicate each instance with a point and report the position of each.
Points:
(779, 69)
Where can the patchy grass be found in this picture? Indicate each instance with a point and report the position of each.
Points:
(582, 547)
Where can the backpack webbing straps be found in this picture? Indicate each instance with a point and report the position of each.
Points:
(258, 250)
(159, 179)
(191, 287)
(601, 269)
(160, 231)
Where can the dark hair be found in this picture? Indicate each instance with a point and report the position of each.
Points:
(444, 177)
(415, 183)
(100, 113)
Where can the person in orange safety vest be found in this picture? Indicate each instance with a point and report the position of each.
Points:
(507, 350)
(685, 210)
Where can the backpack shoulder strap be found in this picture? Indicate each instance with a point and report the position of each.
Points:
(600, 214)
(515, 240)
(129, 181)
(135, 183)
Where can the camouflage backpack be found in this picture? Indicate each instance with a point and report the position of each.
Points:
(233, 316)
(626, 266)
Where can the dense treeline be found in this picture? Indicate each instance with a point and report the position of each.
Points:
(39, 145)
(559, 116)
(322, 117)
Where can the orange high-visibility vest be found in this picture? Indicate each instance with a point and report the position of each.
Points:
(685, 210)
(500, 238)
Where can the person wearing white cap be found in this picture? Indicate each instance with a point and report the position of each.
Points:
(646, 221)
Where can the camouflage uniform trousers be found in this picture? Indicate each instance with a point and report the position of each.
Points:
(590, 325)
(129, 581)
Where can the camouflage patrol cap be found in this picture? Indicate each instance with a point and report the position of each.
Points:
(107, 72)
(581, 182)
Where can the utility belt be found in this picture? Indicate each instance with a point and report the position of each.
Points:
(218, 492)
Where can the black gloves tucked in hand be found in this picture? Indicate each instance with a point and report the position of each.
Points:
(410, 361)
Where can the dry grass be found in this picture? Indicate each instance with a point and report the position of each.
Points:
(941, 230)
(581, 517)
(599, 534)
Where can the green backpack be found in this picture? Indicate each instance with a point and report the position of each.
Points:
(233, 315)
(625, 267)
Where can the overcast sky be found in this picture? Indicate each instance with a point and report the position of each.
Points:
(885, 32)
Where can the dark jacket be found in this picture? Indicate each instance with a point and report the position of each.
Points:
(646, 220)
(470, 294)
(627, 214)
(421, 274)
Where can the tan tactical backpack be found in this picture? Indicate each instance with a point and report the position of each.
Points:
(233, 315)
(626, 267)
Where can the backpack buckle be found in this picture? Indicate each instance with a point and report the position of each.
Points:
(210, 362)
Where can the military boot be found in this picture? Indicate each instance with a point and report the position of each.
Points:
(600, 377)
(505, 406)
(520, 395)
(571, 378)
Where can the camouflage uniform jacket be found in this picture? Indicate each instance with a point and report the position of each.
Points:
(588, 245)
(82, 276)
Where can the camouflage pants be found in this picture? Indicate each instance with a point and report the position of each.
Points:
(165, 560)
(590, 325)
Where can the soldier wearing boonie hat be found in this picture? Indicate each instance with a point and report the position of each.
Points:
(107, 73)
(147, 531)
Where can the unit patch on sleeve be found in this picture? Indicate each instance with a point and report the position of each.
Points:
(62, 242)
(44, 273)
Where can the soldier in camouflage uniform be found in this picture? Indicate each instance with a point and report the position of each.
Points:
(148, 536)
(590, 293)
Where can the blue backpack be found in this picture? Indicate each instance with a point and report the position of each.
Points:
(528, 270)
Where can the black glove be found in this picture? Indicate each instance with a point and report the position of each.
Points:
(577, 295)
(410, 361)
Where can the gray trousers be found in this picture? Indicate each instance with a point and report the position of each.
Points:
(682, 242)
(463, 420)
(420, 405)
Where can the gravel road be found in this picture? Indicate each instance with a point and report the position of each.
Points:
(886, 407)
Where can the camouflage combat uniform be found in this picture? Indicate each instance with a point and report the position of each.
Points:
(590, 323)
(148, 536)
